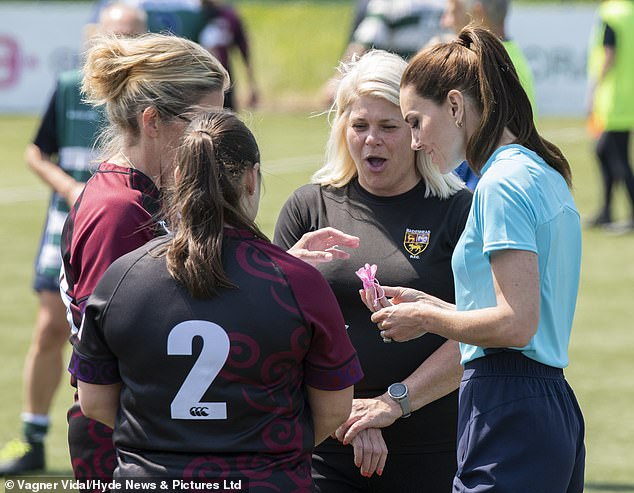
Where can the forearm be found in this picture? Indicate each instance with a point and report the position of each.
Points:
(51, 174)
(608, 63)
(329, 410)
(487, 327)
(512, 322)
(99, 402)
(436, 377)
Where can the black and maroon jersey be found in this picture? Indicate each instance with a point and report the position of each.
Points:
(115, 214)
(411, 238)
(216, 387)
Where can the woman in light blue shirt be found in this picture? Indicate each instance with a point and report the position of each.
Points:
(516, 271)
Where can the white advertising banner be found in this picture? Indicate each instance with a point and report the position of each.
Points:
(555, 39)
(39, 40)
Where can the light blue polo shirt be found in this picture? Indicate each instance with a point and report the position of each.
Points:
(521, 203)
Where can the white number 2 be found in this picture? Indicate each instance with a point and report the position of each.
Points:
(213, 355)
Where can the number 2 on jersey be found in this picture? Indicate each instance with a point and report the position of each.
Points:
(213, 355)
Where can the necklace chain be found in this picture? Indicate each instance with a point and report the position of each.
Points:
(127, 159)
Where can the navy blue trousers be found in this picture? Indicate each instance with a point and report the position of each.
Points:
(404, 473)
(520, 428)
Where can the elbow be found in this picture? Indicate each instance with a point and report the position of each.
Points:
(520, 334)
(93, 410)
(29, 156)
(342, 414)
(97, 414)
(336, 416)
(88, 410)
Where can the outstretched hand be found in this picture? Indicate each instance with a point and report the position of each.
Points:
(323, 245)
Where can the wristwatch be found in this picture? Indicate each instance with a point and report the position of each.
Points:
(400, 393)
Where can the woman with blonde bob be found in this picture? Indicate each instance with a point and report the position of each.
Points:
(147, 85)
(408, 218)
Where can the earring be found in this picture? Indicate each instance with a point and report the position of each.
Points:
(458, 124)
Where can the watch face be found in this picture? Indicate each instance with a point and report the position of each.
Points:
(397, 390)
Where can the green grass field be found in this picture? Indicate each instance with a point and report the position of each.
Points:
(292, 143)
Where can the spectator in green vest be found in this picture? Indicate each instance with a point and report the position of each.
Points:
(61, 156)
(611, 68)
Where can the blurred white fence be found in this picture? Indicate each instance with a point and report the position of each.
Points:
(554, 38)
(38, 40)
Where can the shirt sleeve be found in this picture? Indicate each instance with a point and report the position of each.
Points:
(609, 37)
(46, 137)
(298, 216)
(292, 222)
(92, 360)
(505, 214)
(115, 228)
(459, 213)
(331, 362)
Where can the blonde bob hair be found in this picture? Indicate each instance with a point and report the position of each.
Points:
(378, 74)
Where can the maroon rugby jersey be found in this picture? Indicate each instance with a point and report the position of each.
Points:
(216, 387)
(114, 215)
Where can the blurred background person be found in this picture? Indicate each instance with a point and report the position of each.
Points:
(491, 14)
(61, 156)
(183, 18)
(285, 363)
(398, 26)
(408, 218)
(612, 103)
(223, 33)
(145, 84)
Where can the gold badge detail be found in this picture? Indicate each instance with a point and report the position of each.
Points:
(416, 241)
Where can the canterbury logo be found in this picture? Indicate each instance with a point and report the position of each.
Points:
(199, 411)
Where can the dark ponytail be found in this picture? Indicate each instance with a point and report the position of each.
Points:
(216, 151)
(478, 65)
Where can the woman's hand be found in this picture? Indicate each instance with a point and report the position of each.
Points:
(402, 312)
(370, 452)
(323, 245)
(402, 322)
(374, 298)
(388, 296)
(379, 412)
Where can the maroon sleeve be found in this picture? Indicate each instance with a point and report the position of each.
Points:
(331, 362)
(107, 227)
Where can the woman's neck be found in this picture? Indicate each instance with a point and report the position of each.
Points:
(135, 158)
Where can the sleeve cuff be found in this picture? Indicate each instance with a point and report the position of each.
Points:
(99, 372)
(334, 379)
